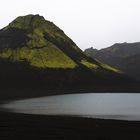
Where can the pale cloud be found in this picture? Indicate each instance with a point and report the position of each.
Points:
(97, 23)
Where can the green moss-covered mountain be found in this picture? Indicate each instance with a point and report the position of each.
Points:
(36, 53)
(43, 45)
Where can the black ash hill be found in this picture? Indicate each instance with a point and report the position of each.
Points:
(123, 56)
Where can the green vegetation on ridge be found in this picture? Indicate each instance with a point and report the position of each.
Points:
(47, 57)
(89, 64)
(45, 46)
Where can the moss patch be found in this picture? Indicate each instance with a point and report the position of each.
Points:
(36, 39)
(89, 64)
(107, 67)
(47, 57)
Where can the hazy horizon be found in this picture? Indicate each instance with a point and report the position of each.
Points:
(89, 23)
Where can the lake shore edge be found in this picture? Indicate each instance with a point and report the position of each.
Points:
(42, 127)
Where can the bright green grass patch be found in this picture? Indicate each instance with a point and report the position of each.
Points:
(105, 66)
(47, 57)
(89, 65)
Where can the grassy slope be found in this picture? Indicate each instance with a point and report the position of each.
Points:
(47, 57)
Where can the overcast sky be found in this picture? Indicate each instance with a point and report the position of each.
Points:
(97, 23)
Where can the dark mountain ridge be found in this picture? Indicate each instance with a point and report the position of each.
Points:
(123, 56)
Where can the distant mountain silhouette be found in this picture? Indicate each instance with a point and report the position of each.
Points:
(123, 56)
(35, 53)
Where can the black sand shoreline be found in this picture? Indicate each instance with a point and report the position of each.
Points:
(19, 126)
(40, 127)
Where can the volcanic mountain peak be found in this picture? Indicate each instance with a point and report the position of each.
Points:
(32, 21)
(42, 44)
(25, 22)
(37, 25)
(33, 39)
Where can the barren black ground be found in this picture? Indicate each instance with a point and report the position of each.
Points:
(37, 127)
(42, 127)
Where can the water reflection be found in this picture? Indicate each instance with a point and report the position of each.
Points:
(108, 106)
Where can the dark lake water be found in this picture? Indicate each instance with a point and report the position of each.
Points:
(106, 105)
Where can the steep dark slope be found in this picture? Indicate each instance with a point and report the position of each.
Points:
(131, 65)
(123, 49)
(36, 54)
(123, 56)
